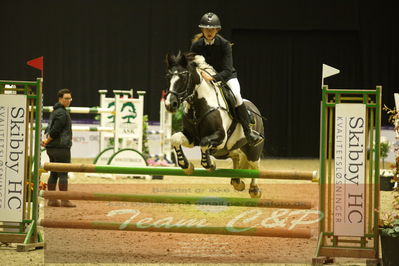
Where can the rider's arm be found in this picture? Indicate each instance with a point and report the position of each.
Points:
(226, 64)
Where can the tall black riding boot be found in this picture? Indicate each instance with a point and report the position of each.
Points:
(243, 117)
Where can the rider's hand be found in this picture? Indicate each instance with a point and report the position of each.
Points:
(206, 76)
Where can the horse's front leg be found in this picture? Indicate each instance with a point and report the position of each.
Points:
(206, 161)
(207, 143)
(178, 140)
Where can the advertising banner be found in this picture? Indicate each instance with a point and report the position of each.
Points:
(350, 156)
(13, 113)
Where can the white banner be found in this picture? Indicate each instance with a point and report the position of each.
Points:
(85, 144)
(13, 113)
(350, 155)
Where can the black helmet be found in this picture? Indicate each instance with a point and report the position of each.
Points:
(210, 20)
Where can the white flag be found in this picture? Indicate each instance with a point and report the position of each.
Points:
(328, 71)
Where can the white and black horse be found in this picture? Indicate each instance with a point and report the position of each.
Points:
(207, 122)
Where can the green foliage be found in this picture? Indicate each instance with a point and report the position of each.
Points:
(177, 120)
(384, 149)
(389, 222)
(146, 149)
(392, 229)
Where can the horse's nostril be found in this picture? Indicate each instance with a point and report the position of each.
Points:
(174, 104)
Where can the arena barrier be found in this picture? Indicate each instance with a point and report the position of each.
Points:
(176, 171)
(168, 199)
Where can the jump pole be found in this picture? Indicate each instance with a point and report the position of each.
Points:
(83, 110)
(167, 199)
(175, 171)
(99, 225)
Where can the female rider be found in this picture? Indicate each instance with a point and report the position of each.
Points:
(218, 53)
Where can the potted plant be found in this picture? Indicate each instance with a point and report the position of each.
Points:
(389, 231)
(389, 222)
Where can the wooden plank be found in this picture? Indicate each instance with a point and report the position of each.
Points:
(12, 238)
(347, 252)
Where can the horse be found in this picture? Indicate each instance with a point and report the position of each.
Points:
(207, 121)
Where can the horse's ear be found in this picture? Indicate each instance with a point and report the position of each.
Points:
(169, 61)
(183, 60)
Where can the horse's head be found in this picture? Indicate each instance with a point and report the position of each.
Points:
(182, 77)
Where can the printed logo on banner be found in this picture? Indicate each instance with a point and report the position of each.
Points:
(350, 155)
(12, 156)
(128, 123)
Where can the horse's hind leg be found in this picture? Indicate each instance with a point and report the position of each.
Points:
(237, 183)
(254, 190)
(178, 140)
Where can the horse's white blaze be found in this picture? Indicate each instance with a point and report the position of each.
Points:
(173, 80)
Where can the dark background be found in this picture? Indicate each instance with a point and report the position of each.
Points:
(279, 48)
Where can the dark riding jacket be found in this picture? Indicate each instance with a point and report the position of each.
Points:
(219, 55)
(60, 128)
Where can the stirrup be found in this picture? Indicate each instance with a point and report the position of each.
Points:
(254, 138)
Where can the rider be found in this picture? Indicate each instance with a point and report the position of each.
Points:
(218, 53)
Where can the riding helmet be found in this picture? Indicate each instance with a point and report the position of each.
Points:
(210, 20)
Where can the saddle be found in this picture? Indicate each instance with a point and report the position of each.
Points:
(228, 97)
(231, 101)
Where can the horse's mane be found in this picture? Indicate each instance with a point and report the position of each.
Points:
(200, 62)
(193, 59)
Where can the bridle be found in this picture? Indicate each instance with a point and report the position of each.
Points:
(183, 95)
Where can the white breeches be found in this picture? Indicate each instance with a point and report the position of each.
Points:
(235, 87)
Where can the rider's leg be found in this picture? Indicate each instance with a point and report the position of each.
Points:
(242, 114)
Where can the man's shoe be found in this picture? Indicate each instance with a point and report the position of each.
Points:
(67, 203)
(53, 203)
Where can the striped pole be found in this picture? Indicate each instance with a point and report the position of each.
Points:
(88, 128)
(83, 110)
(92, 128)
(175, 171)
(250, 231)
(167, 199)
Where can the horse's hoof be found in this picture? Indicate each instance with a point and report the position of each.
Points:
(255, 192)
(190, 169)
(212, 167)
(238, 184)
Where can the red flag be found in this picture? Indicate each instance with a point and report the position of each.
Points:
(36, 63)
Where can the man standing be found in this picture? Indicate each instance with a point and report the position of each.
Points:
(58, 145)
